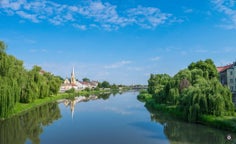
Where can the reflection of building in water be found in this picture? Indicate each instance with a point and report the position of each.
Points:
(72, 108)
(76, 84)
(72, 103)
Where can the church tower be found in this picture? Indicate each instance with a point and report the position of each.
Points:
(73, 80)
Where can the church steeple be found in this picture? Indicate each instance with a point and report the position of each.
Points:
(73, 80)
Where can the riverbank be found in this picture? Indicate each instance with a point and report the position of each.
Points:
(20, 108)
(222, 122)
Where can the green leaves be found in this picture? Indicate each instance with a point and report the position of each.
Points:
(19, 85)
(196, 91)
(3, 47)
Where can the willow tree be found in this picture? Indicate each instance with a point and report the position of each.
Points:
(9, 90)
(19, 85)
(196, 91)
(206, 95)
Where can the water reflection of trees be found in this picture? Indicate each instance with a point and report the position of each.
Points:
(71, 102)
(29, 125)
(105, 96)
(179, 132)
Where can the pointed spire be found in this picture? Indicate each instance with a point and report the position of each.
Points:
(73, 81)
(73, 71)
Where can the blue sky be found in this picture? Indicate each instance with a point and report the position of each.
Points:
(121, 41)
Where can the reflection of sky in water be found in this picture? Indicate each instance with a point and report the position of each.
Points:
(117, 104)
(122, 119)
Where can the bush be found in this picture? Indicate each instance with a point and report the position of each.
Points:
(144, 96)
(72, 90)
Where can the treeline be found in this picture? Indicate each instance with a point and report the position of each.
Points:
(20, 85)
(105, 84)
(194, 91)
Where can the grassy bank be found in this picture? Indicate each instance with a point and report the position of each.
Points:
(24, 107)
(222, 122)
(226, 122)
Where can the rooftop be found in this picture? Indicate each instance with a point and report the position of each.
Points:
(223, 68)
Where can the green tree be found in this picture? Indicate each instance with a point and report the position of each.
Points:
(19, 85)
(195, 91)
(86, 80)
(3, 47)
(105, 84)
(114, 86)
(158, 86)
(208, 67)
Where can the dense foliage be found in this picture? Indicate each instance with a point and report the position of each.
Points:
(195, 91)
(86, 79)
(20, 85)
(28, 126)
(178, 132)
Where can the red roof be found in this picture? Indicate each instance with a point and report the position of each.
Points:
(73, 84)
(85, 83)
(42, 72)
(223, 68)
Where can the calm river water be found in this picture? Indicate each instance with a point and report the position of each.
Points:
(110, 119)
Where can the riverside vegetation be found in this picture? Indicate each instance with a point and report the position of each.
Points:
(30, 125)
(21, 89)
(18, 85)
(194, 94)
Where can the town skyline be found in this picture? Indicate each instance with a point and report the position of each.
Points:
(122, 42)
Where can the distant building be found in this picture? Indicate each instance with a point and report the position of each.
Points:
(228, 77)
(92, 84)
(73, 80)
(42, 72)
(77, 85)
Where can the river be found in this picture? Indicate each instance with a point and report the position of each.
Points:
(109, 119)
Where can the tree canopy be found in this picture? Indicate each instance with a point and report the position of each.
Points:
(86, 79)
(195, 91)
(20, 85)
(104, 84)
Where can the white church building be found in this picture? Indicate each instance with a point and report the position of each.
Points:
(77, 85)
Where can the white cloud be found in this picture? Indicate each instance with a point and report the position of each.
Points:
(148, 17)
(228, 8)
(25, 15)
(135, 68)
(69, 16)
(118, 64)
(14, 5)
(73, 8)
(104, 13)
(81, 27)
(102, 74)
(229, 49)
(101, 14)
(29, 41)
(223, 62)
(33, 50)
(201, 51)
(38, 50)
(57, 20)
(155, 58)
